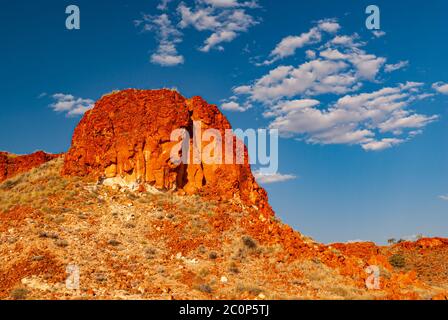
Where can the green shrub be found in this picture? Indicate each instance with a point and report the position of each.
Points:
(397, 261)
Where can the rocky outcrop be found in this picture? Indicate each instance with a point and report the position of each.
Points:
(126, 139)
(11, 164)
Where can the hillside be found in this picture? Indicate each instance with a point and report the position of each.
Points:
(138, 227)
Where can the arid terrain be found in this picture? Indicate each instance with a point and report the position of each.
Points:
(139, 227)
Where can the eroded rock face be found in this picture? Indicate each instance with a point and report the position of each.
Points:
(125, 139)
(11, 164)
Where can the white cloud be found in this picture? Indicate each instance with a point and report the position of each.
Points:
(361, 119)
(367, 65)
(168, 37)
(310, 54)
(401, 119)
(441, 87)
(336, 70)
(311, 78)
(224, 18)
(378, 33)
(232, 106)
(231, 3)
(329, 25)
(166, 55)
(381, 144)
(444, 197)
(163, 5)
(346, 41)
(291, 95)
(397, 66)
(71, 105)
(288, 45)
(333, 54)
(273, 178)
(288, 106)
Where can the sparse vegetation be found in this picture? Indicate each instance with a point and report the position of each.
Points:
(249, 288)
(249, 242)
(61, 243)
(19, 293)
(213, 255)
(35, 187)
(392, 241)
(234, 268)
(205, 288)
(397, 261)
(137, 245)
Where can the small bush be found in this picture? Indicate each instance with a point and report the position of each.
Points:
(213, 255)
(249, 242)
(252, 290)
(61, 243)
(19, 293)
(205, 288)
(234, 268)
(397, 261)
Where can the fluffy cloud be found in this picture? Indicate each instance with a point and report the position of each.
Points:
(338, 67)
(224, 19)
(381, 144)
(221, 18)
(441, 87)
(163, 5)
(346, 41)
(444, 197)
(272, 178)
(319, 76)
(231, 3)
(232, 106)
(396, 66)
(318, 101)
(167, 36)
(361, 119)
(288, 45)
(71, 105)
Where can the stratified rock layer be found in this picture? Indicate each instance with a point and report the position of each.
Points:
(126, 137)
(11, 164)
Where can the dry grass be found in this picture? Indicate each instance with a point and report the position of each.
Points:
(36, 187)
(136, 237)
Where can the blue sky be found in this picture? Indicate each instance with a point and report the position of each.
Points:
(363, 116)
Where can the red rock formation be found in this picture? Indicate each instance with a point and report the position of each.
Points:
(11, 165)
(126, 138)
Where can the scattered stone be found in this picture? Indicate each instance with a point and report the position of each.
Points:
(38, 258)
(61, 243)
(100, 277)
(50, 235)
(114, 242)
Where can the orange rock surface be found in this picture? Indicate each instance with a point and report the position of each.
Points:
(126, 136)
(11, 165)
